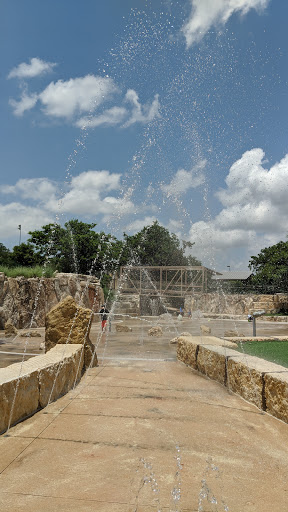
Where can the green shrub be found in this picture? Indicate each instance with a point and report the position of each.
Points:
(27, 272)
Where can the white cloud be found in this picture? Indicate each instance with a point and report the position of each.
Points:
(208, 13)
(73, 99)
(76, 96)
(139, 224)
(255, 208)
(141, 113)
(89, 195)
(36, 67)
(37, 189)
(255, 197)
(185, 180)
(25, 103)
(110, 117)
(30, 218)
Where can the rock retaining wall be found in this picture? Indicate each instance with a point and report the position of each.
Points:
(27, 387)
(235, 304)
(25, 302)
(260, 382)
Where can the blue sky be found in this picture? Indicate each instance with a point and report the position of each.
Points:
(121, 113)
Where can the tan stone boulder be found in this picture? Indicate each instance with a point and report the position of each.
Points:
(10, 330)
(205, 330)
(233, 334)
(31, 334)
(69, 323)
(155, 331)
(174, 341)
(123, 328)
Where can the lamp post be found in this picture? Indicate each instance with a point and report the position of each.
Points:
(19, 227)
(228, 266)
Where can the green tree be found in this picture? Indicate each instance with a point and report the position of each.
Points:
(78, 248)
(5, 255)
(270, 269)
(47, 241)
(23, 255)
(155, 245)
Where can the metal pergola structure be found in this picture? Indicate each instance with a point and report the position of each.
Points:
(166, 281)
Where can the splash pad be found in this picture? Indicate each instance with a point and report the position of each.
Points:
(142, 432)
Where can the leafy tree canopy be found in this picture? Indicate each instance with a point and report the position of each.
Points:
(155, 245)
(5, 255)
(78, 248)
(23, 255)
(270, 269)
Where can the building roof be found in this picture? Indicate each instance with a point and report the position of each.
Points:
(233, 275)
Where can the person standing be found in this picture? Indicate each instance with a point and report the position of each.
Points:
(104, 315)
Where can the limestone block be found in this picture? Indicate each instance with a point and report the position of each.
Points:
(26, 387)
(123, 328)
(205, 330)
(90, 356)
(211, 361)
(19, 395)
(31, 334)
(233, 334)
(10, 330)
(187, 351)
(68, 323)
(155, 331)
(175, 340)
(276, 394)
(61, 371)
(245, 377)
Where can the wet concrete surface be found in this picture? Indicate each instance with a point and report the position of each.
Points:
(12, 349)
(137, 343)
(145, 436)
(143, 432)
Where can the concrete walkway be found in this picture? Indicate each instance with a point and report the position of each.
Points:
(145, 436)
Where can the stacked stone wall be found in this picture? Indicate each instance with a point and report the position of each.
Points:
(216, 303)
(25, 302)
(263, 383)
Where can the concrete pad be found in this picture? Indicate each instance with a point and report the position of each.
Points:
(114, 474)
(80, 471)
(33, 426)
(10, 448)
(125, 392)
(108, 453)
(19, 503)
